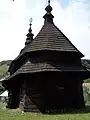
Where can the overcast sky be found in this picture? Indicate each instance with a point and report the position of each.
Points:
(72, 17)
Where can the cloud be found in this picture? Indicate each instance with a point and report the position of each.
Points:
(11, 28)
(73, 20)
(80, 25)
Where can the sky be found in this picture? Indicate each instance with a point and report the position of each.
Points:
(72, 17)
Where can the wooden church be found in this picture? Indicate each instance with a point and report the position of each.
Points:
(47, 74)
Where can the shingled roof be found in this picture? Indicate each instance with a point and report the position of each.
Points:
(30, 67)
(48, 66)
(49, 38)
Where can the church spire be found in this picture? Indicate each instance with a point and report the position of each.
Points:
(30, 34)
(48, 16)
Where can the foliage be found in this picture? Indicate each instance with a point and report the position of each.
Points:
(1, 89)
(86, 63)
(7, 62)
(3, 71)
(4, 65)
(86, 93)
(87, 81)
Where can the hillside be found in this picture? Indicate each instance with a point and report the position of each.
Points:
(4, 65)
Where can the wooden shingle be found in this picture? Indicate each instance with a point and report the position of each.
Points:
(50, 38)
(30, 67)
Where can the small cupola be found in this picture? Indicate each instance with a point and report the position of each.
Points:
(30, 35)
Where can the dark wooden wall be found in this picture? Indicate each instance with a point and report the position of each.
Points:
(46, 91)
(50, 93)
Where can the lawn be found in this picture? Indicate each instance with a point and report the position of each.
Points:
(13, 115)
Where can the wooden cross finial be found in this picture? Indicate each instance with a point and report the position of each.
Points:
(48, 2)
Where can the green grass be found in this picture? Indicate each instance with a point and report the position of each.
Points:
(12, 115)
(7, 115)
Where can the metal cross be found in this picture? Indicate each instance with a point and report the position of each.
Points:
(31, 20)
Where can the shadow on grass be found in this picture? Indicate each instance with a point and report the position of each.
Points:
(62, 111)
(70, 111)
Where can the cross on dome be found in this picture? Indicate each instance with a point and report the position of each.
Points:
(30, 21)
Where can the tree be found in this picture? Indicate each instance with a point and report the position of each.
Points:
(86, 93)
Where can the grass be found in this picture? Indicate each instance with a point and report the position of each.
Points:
(17, 115)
